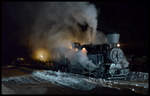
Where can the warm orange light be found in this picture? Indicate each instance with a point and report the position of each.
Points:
(84, 50)
(41, 54)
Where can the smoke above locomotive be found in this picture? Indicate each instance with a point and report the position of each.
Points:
(59, 24)
(56, 28)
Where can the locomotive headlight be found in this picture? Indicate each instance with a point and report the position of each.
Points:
(118, 45)
(83, 51)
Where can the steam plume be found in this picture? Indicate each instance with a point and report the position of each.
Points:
(58, 24)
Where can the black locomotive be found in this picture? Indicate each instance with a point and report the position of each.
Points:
(108, 58)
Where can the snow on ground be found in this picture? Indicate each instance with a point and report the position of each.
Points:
(80, 82)
(65, 79)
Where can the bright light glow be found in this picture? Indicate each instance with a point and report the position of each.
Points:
(84, 50)
(118, 45)
(41, 54)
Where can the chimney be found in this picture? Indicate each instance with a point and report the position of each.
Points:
(113, 39)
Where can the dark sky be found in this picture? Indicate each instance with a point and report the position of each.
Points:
(128, 19)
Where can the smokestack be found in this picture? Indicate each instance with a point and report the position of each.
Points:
(113, 38)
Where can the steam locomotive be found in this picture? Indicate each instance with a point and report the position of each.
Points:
(109, 59)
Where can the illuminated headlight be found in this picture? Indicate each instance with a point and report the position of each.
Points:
(118, 45)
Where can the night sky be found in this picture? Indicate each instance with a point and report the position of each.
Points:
(130, 20)
(127, 18)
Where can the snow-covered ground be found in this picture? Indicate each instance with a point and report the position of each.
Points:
(79, 82)
(66, 79)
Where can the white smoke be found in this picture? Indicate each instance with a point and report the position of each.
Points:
(82, 59)
(59, 24)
